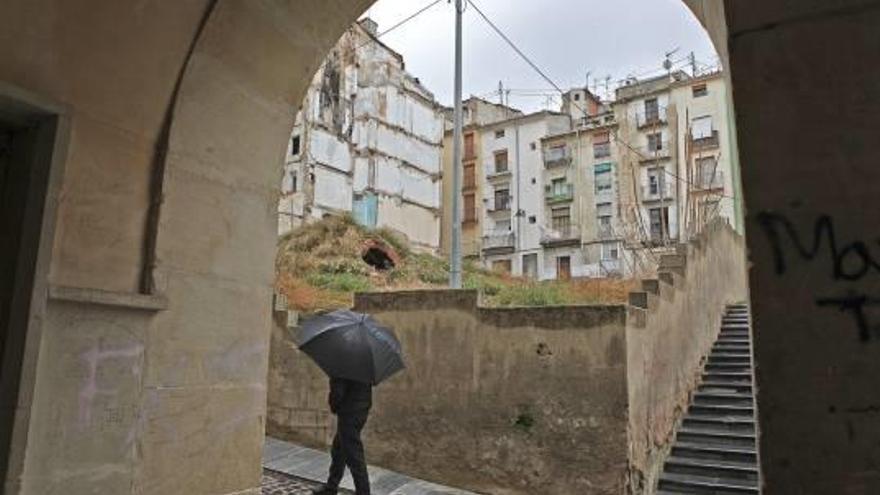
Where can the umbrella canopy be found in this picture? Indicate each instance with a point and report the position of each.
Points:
(351, 345)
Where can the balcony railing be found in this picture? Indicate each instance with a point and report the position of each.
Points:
(500, 205)
(651, 118)
(649, 153)
(501, 241)
(716, 181)
(707, 142)
(556, 194)
(568, 234)
(498, 173)
(656, 193)
(557, 157)
(595, 121)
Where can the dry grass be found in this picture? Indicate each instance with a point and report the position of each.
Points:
(319, 267)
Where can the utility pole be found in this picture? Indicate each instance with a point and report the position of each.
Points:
(455, 254)
(501, 92)
(693, 59)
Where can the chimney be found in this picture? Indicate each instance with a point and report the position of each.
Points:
(370, 26)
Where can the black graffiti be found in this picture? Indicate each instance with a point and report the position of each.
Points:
(855, 304)
(849, 262)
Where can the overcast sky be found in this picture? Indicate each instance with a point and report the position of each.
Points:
(565, 38)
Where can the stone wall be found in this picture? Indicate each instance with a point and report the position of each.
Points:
(530, 400)
(671, 327)
(505, 401)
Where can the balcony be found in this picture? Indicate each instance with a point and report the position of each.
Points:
(499, 206)
(708, 183)
(596, 121)
(501, 243)
(707, 142)
(557, 157)
(650, 154)
(559, 194)
(498, 174)
(569, 235)
(652, 118)
(657, 193)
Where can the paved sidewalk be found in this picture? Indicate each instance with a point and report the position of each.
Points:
(312, 465)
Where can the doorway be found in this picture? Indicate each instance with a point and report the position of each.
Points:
(27, 140)
(563, 268)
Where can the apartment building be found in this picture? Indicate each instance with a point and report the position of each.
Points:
(368, 141)
(678, 167)
(477, 113)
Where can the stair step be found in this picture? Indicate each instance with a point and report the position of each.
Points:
(726, 346)
(721, 385)
(727, 358)
(741, 424)
(737, 367)
(716, 452)
(730, 353)
(722, 409)
(711, 467)
(687, 483)
(715, 437)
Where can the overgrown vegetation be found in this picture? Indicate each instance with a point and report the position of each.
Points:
(320, 267)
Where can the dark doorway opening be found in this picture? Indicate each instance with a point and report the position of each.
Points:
(26, 146)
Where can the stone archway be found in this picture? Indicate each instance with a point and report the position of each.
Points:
(133, 392)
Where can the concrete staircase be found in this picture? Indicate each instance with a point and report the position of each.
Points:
(715, 449)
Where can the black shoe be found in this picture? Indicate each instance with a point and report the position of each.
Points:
(325, 490)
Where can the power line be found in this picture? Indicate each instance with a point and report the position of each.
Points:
(401, 23)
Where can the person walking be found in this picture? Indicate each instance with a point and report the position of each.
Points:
(357, 353)
(350, 401)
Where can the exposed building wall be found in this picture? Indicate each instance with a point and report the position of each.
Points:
(369, 134)
(506, 401)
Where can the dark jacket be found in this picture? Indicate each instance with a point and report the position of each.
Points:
(348, 396)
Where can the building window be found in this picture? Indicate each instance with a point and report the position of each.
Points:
(653, 183)
(294, 186)
(610, 252)
(470, 176)
(711, 209)
(577, 97)
(295, 145)
(561, 219)
(602, 145)
(655, 141)
(502, 199)
(469, 153)
(533, 146)
(603, 219)
(659, 223)
(707, 172)
(499, 134)
(701, 127)
(500, 161)
(533, 219)
(470, 208)
(603, 178)
(700, 90)
(652, 110)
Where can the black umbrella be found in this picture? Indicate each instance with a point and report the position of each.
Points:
(351, 345)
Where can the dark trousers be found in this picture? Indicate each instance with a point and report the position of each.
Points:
(348, 450)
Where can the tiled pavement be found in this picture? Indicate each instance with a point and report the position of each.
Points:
(275, 483)
(300, 463)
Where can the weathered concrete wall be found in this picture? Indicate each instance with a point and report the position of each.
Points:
(131, 393)
(808, 144)
(667, 340)
(471, 375)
